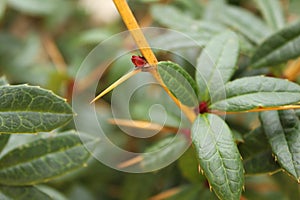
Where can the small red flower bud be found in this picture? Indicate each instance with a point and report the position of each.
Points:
(138, 61)
(202, 108)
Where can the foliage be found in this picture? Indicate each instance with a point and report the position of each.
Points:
(242, 56)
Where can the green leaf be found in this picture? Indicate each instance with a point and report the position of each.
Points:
(279, 47)
(188, 165)
(179, 82)
(257, 154)
(244, 22)
(283, 132)
(272, 12)
(254, 143)
(164, 151)
(257, 92)
(30, 109)
(3, 141)
(217, 63)
(218, 156)
(22, 193)
(53, 193)
(43, 159)
(173, 18)
(261, 163)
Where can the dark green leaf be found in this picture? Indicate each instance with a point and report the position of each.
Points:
(280, 47)
(22, 193)
(272, 12)
(217, 63)
(218, 156)
(261, 163)
(244, 22)
(254, 143)
(3, 137)
(53, 193)
(30, 109)
(3, 141)
(43, 159)
(164, 152)
(188, 164)
(283, 132)
(257, 92)
(179, 82)
(257, 154)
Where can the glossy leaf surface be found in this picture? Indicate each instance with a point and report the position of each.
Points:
(218, 156)
(257, 92)
(217, 63)
(22, 193)
(31, 109)
(283, 133)
(179, 82)
(43, 159)
(257, 154)
(280, 47)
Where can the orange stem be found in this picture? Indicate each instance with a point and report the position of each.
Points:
(135, 31)
(145, 49)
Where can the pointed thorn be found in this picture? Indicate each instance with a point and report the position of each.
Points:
(115, 84)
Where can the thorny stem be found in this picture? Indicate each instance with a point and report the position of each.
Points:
(135, 31)
(146, 51)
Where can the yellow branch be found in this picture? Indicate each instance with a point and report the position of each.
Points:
(145, 49)
(135, 31)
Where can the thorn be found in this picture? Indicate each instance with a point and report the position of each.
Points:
(116, 83)
(130, 162)
(199, 169)
(210, 188)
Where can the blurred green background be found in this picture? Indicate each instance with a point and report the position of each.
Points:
(44, 42)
